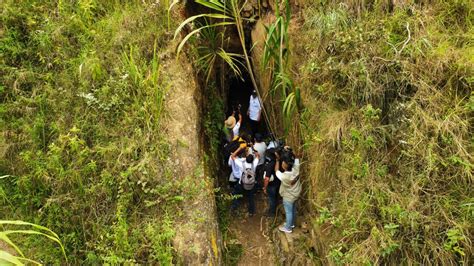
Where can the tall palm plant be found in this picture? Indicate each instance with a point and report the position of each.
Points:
(225, 13)
(275, 59)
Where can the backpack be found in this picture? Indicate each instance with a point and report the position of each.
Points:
(248, 179)
(232, 146)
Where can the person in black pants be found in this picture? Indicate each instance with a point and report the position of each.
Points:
(271, 184)
(254, 112)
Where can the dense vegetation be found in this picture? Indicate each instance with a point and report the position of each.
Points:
(381, 90)
(389, 129)
(82, 140)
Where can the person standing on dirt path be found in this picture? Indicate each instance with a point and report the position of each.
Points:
(290, 188)
(244, 188)
(235, 164)
(254, 112)
(271, 184)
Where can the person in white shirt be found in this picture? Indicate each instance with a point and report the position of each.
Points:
(260, 147)
(254, 112)
(290, 188)
(234, 125)
(250, 162)
(237, 169)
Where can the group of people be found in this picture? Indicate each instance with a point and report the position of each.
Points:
(256, 165)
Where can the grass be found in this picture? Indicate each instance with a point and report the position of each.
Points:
(82, 106)
(388, 131)
(8, 257)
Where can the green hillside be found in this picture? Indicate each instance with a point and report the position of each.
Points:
(84, 142)
(113, 142)
(389, 130)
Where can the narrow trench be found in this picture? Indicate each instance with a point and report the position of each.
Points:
(248, 242)
(245, 238)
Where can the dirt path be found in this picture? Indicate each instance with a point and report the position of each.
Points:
(251, 233)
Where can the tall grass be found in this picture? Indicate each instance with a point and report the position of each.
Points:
(82, 107)
(388, 132)
(8, 257)
(276, 58)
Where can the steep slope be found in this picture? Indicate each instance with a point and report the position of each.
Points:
(388, 130)
(100, 135)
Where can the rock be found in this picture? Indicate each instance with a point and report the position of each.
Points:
(248, 7)
(246, 14)
(284, 242)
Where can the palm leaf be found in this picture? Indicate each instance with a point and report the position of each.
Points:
(289, 105)
(9, 258)
(214, 5)
(193, 18)
(233, 61)
(15, 260)
(7, 240)
(185, 39)
(50, 234)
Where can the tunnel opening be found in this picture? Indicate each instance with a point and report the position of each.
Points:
(237, 231)
(239, 91)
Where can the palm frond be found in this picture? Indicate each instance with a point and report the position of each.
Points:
(194, 18)
(215, 5)
(185, 39)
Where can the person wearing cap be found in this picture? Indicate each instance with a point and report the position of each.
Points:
(254, 112)
(232, 124)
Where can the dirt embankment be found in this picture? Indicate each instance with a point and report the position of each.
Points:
(196, 239)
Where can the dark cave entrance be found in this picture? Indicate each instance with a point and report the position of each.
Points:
(239, 92)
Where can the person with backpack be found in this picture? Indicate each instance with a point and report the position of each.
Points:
(235, 163)
(246, 185)
(290, 188)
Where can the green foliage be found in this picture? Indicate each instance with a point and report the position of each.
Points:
(214, 111)
(7, 257)
(82, 104)
(455, 236)
(389, 129)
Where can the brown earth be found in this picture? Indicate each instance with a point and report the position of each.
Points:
(196, 240)
(252, 234)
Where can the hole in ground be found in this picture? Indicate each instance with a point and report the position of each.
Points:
(239, 92)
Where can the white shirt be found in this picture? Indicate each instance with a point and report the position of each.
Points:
(236, 129)
(237, 169)
(252, 165)
(254, 108)
(272, 144)
(260, 147)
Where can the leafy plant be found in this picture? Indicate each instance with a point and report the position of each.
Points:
(5, 256)
(227, 13)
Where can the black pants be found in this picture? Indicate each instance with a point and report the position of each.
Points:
(249, 194)
(254, 127)
(259, 176)
(272, 192)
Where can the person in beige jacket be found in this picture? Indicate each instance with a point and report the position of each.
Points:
(290, 189)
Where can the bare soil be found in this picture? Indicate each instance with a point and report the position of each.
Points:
(251, 232)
